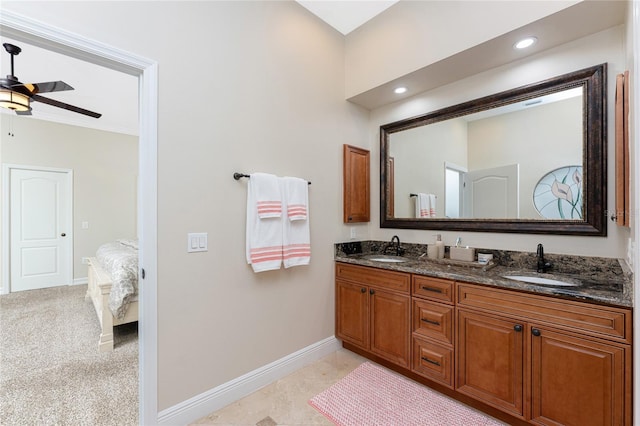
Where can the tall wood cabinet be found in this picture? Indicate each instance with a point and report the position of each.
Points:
(540, 359)
(356, 203)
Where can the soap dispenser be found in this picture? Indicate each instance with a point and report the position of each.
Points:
(440, 246)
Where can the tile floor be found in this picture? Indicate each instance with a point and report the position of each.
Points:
(284, 402)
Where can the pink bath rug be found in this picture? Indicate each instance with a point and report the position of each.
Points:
(373, 396)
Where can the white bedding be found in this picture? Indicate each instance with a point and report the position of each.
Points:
(119, 259)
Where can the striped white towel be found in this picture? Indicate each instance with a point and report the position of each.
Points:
(296, 234)
(264, 222)
(425, 205)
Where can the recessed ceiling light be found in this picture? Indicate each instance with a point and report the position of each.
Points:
(525, 42)
(400, 90)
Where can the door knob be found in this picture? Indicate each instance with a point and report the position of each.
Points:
(63, 235)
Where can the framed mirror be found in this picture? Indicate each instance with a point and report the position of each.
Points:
(530, 160)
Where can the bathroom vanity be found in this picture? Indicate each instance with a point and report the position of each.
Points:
(525, 353)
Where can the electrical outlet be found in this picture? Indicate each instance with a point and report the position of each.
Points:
(85, 260)
(353, 233)
(631, 250)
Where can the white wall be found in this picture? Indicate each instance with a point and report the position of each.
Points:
(244, 86)
(607, 46)
(105, 169)
(540, 139)
(419, 159)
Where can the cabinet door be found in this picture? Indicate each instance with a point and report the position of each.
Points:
(433, 320)
(352, 313)
(576, 381)
(356, 204)
(490, 360)
(390, 316)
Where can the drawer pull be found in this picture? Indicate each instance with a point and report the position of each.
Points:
(427, 320)
(535, 332)
(433, 289)
(517, 327)
(424, 358)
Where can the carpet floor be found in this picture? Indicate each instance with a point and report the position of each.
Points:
(371, 395)
(51, 372)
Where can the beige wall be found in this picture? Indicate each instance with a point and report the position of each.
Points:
(264, 90)
(414, 34)
(607, 46)
(105, 170)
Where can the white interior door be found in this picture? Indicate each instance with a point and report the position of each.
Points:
(41, 239)
(492, 193)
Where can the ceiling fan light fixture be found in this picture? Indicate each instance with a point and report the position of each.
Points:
(14, 100)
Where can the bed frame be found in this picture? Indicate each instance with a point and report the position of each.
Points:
(98, 290)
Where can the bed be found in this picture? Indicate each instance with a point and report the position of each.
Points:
(113, 287)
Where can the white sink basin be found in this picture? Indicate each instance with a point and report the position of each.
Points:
(386, 259)
(541, 280)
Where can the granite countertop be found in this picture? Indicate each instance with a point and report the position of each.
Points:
(599, 280)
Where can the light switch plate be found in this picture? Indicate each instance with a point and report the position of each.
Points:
(197, 241)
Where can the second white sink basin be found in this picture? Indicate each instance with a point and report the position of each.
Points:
(541, 280)
(385, 258)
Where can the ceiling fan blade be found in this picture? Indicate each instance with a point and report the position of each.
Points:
(46, 87)
(59, 104)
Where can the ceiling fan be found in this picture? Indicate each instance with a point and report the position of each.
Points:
(16, 96)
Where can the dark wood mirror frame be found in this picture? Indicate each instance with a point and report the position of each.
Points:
(594, 83)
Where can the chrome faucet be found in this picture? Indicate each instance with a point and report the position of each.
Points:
(542, 265)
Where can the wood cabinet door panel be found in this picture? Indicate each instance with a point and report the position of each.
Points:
(489, 364)
(390, 316)
(352, 313)
(597, 320)
(433, 320)
(356, 205)
(433, 288)
(576, 381)
(389, 280)
(433, 361)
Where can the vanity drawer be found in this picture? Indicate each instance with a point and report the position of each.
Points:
(390, 280)
(433, 361)
(434, 320)
(597, 320)
(433, 288)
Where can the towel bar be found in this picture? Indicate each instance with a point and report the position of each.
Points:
(238, 176)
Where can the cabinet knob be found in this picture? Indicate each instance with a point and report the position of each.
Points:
(535, 331)
(517, 327)
(363, 290)
(372, 291)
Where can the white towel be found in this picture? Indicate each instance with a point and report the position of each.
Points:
(296, 236)
(264, 222)
(425, 205)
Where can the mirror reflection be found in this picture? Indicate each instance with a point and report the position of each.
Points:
(530, 159)
(494, 164)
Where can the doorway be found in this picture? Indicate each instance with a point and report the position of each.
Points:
(40, 216)
(49, 37)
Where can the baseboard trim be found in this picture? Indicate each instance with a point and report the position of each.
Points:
(199, 406)
(80, 281)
